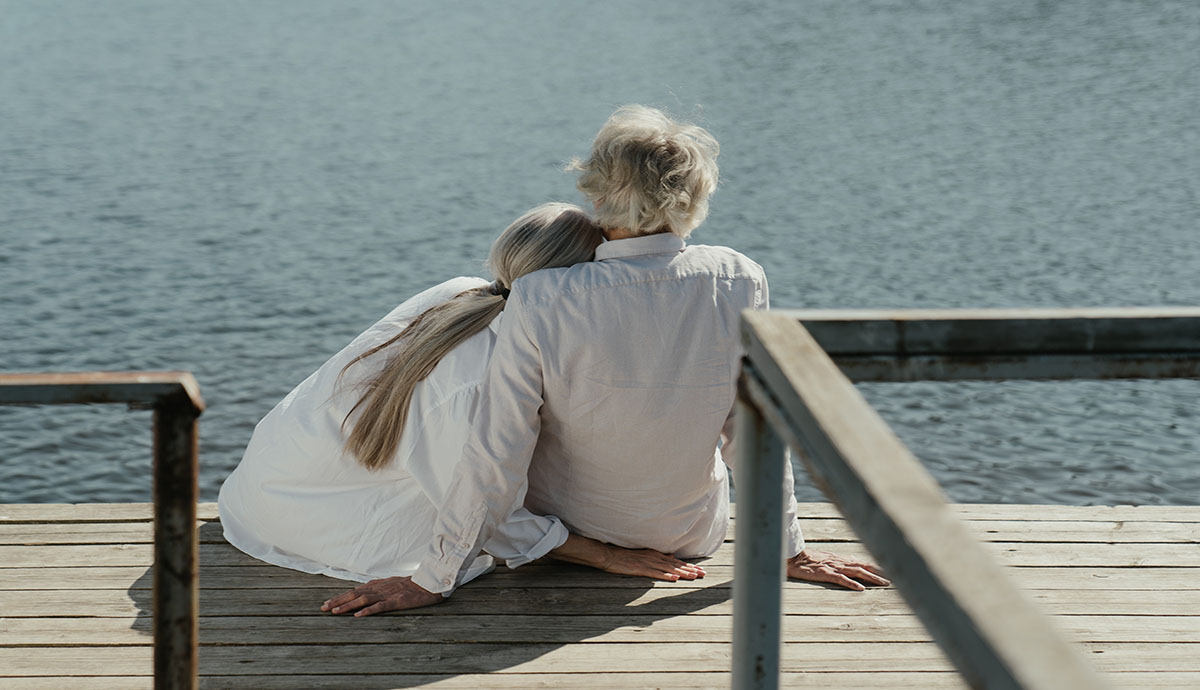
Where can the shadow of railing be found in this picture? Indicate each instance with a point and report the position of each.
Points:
(262, 620)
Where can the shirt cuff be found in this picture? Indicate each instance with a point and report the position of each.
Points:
(556, 537)
(426, 578)
(794, 539)
(444, 567)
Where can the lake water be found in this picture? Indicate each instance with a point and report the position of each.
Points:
(237, 189)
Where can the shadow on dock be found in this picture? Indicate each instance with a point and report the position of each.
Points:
(259, 620)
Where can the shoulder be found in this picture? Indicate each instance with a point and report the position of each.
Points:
(543, 285)
(445, 291)
(431, 297)
(725, 260)
(695, 261)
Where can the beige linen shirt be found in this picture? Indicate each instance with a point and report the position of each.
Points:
(609, 389)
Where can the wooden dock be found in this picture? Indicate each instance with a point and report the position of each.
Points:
(75, 593)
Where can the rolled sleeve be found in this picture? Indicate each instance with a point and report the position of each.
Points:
(526, 537)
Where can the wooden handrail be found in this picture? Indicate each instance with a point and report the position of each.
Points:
(988, 344)
(175, 398)
(796, 386)
(139, 388)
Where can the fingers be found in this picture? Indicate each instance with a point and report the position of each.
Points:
(843, 581)
(353, 604)
(659, 574)
(680, 569)
(685, 571)
(340, 599)
(839, 574)
(860, 572)
(872, 567)
(832, 575)
(377, 607)
(660, 566)
(846, 562)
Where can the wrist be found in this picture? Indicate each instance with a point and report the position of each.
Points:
(583, 551)
(605, 556)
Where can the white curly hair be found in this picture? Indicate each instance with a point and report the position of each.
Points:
(648, 173)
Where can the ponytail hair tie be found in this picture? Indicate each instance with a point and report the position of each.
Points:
(497, 289)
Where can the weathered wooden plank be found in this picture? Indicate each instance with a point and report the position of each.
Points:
(507, 681)
(262, 576)
(551, 658)
(829, 530)
(577, 681)
(136, 577)
(1099, 531)
(1038, 512)
(799, 598)
(589, 601)
(89, 512)
(551, 577)
(1008, 553)
(142, 512)
(411, 628)
(995, 637)
(667, 624)
(51, 533)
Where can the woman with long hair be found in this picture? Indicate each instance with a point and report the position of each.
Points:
(345, 476)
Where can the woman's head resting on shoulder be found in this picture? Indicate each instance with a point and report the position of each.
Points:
(648, 173)
(550, 236)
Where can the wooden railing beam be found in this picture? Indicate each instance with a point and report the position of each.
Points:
(986, 626)
(990, 344)
(175, 398)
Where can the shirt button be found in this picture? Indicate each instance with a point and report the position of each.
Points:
(447, 581)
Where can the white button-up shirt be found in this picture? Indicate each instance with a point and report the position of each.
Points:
(299, 500)
(610, 386)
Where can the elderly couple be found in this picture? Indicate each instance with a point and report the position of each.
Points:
(579, 406)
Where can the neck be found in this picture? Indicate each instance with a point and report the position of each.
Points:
(624, 234)
(618, 234)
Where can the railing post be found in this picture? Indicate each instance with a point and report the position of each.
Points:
(758, 568)
(176, 596)
(176, 400)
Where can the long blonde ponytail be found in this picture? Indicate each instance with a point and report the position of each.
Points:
(549, 236)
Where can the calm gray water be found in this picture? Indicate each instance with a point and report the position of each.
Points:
(238, 189)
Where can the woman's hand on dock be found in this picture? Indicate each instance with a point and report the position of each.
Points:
(822, 566)
(377, 596)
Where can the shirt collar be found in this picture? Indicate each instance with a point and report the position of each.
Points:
(661, 243)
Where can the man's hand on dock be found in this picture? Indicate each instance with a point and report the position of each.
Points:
(822, 566)
(377, 596)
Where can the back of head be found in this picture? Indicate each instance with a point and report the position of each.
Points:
(552, 235)
(648, 173)
(549, 236)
